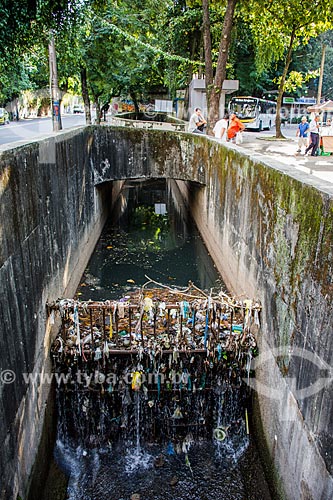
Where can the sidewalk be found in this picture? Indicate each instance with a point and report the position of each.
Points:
(264, 144)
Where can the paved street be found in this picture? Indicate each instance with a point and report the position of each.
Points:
(33, 128)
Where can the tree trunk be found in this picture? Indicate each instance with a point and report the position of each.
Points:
(98, 111)
(209, 75)
(96, 97)
(214, 87)
(136, 105)
(321, 75)
(195, 42)
(85, 95)
(281, 87)
(55, 92)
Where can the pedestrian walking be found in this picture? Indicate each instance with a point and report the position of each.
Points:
(314, 136)
(302, 134)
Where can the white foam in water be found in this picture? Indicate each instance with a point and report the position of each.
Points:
(137, 459)
(71, 461)
(67, 457)
(229, 450)
(95, 464)
(239, 451)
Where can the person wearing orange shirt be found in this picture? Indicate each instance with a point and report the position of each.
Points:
(235, 126)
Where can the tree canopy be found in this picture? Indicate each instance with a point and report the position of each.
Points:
(134, 48)
(278, 28)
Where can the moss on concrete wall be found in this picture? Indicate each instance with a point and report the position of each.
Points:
(269, 230)
(270, 233)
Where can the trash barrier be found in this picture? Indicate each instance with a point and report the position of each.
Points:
(173, 350)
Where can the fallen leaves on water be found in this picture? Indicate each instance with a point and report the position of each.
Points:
(130, 281)
(109, 247)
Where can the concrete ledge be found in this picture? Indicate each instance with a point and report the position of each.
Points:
(177, 125)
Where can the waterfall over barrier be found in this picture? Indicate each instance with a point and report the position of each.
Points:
(172, 367)
(160, 369)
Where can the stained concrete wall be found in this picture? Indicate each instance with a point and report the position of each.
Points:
(120, 153)
(51, 217)
(269, 232)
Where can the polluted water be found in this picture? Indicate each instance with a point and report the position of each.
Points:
(155, 417)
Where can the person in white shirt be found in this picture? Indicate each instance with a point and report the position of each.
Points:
(328, 130)
(220, 129)
(314, 136)
(196, 121)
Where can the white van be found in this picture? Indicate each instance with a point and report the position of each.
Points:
(77, 109)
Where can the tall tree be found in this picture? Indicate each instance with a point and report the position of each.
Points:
(214, 82)
(55, 93)
(279, 27)
(321, 74)
(85, 94)
(25, 27)
(182, 35)
(129, 34)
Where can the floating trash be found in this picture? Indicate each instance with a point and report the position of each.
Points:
(219, 434)
(159, 320)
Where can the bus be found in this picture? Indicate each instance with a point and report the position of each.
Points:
(255, 113)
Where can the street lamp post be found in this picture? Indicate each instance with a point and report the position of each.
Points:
(55, 92)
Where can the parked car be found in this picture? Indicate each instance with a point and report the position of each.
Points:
(78, 109)
(4, 116)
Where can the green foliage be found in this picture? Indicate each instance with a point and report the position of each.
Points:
(146, 216)
(13, 79)
(308, 58)
(242, 59)
(181, 28)
(24, 20)
(296, 79)
(272, 23)
(126, 52)
(24, 38)
(138, 46)
(279, 28)
(116, 61)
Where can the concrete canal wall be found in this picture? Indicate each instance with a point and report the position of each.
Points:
(268, 229)
(51, 217)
